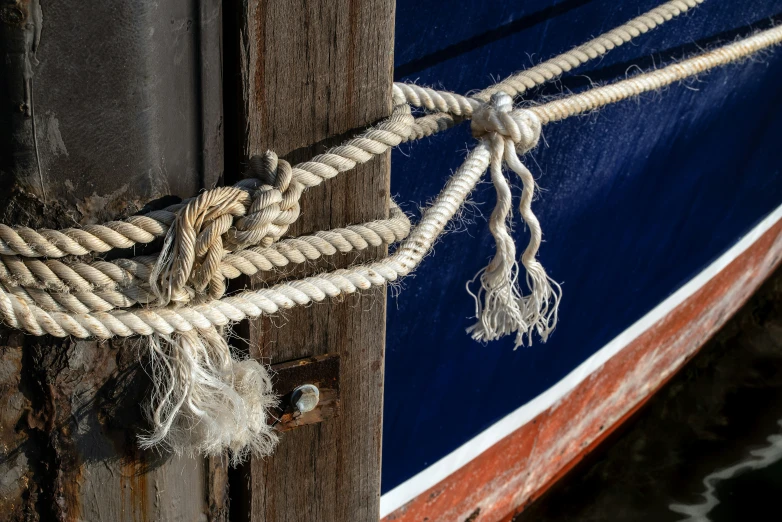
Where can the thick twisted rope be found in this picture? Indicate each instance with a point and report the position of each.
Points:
(83, 287)
(204, 399)
(170, 320)
(33, 319)
(452, 108)
(23, 241)
(204, 228)
(520, 82)
(191, 260)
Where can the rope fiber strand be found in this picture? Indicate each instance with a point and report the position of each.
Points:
(205, 398)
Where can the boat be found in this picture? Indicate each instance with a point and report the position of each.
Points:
(660, 217)
(185, 339)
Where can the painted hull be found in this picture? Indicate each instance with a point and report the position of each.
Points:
(526, 452)
(661, 216)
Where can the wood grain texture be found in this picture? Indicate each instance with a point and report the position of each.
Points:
(102, 109)
(313, 73)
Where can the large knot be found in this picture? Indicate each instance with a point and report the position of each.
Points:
(194, 245)
(521, 126)
(222, 220)
(275, 203)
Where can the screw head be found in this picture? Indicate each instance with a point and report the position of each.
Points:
(305, 398)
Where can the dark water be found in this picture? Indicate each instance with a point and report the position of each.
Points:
(708, 447)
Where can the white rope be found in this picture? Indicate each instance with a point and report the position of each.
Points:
(205, 400)
(500, 307)
(452, 107)
(19, 313)
(391, 132)
(81, 287)
(167, 320)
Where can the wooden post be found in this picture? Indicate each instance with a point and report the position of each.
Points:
(313, 73)
(104, 106)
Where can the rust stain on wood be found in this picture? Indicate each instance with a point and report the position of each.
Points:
(134, 488)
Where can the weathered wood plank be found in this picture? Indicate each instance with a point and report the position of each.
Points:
(312, 73)
(103, 106)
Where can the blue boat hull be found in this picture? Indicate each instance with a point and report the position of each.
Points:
(636, 200)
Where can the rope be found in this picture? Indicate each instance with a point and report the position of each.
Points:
(167, 320)
(549, 70)
(204, 400)
(170, 320)
(84, 287)
(194, 255)
(400, 127)
(500, 307)
(207, 211)
(452, 107)
(655, 80)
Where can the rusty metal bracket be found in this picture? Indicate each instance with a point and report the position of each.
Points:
(321, 371)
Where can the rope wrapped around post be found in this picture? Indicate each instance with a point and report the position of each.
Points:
(206, 399)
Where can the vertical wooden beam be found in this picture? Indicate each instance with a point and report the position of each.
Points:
(312, 73)
(103, 107)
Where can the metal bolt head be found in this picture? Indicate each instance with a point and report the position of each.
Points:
(305, 398)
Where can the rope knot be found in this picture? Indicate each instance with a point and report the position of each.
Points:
(275, 204)
(500, 306)
(498, 116)
(256, 211)
(194, 247)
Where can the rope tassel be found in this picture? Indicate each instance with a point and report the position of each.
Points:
(204, 401)
(500, 306)
(542, 304)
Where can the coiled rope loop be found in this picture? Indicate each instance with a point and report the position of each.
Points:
(205, 400)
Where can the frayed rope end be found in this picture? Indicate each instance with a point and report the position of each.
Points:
(204, 401)
(498, 305)
(542, 304)
(501, 309)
